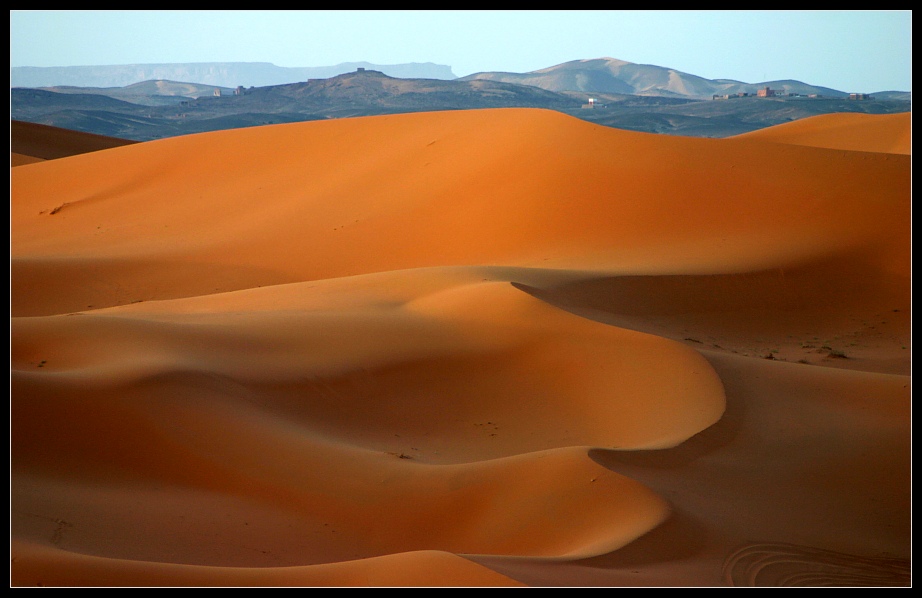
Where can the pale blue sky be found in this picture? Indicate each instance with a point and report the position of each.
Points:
(864, 51)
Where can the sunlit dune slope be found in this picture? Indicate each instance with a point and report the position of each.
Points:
(425, 408)
(886, 133)
(467, 344)
(475, 348)
(236, 209)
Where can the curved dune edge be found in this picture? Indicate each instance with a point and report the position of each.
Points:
(35, 565)
(364, 369)
(337, 504)
(479, 375)
(534, 188)
(390, 339)
(886, 133)
(807, 479)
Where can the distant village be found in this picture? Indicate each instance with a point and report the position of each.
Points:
(765, 92)
(768, 92)
(238, 91)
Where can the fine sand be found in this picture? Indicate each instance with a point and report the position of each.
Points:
(34, 142)
(472, 348)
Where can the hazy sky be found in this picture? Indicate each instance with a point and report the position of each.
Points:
(863, 51)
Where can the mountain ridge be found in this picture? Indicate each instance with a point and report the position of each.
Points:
(645, 98)
(618, 76)
(605, 74)
(221, 74)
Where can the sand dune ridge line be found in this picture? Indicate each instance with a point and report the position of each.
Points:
(498, 347)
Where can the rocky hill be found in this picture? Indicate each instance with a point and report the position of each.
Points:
(220, 74)
(611, 75)
(645, 98)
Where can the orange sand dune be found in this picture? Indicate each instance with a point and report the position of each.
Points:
(32, 142)
(20, 159)
(886, 133)
(37, 565)
(473, 348)
(268, 205)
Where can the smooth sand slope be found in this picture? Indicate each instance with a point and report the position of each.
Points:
(475, 348)
(887, 133)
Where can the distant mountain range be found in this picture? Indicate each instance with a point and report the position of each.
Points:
(624, 95)
(220, 74)
(597, 75)
(159, 92)
(617, 76)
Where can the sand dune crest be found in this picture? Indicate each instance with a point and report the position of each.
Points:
(473, 348)
(886, 133)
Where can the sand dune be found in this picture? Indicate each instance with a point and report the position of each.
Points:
(475, 348)
(885, 133)
(30, 142)
(20, 159)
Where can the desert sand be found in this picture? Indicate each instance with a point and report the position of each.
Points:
(34, 142)
(471, 348)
